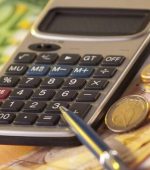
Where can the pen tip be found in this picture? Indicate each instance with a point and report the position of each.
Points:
(63, 109)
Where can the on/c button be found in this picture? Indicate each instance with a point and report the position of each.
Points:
(4, 93)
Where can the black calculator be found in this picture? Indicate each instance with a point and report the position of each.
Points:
(78, 54)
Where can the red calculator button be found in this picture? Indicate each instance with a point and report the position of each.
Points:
(4, 93)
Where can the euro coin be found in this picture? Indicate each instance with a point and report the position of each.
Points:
(145, 74)
(127, 113)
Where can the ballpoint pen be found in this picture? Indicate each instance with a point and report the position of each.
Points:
(108, 158)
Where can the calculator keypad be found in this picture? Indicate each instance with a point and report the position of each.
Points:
(36, 85)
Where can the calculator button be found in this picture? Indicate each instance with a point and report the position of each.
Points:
(21, 94)
(4, 93)
(29, 82)
(44, 47)
(6, 118)
(67, 95)
(34, 106)
(7, 81)
(16, 69)
(25, 58)
(81, 109)
(96, 84)
(47, 120)
(12, 106)
(69, 59)
(46, 58)
(60, 71)
(105, 72)
(25, 119)
(53, 107)
(38, 70)
(83, 72)
(88, 96)
(52, 83)
(73, 83)
(91, 60)
(113, 60)
(43, 94)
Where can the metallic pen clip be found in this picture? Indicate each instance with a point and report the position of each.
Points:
(110, 161)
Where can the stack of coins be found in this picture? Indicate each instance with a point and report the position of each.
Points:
(145, 77)
(131, 111)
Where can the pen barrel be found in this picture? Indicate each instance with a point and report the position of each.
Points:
(107, 157)
(88, 136)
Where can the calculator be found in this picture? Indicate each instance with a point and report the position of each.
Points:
(80, 55)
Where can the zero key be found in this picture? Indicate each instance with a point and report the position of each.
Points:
(6, 118)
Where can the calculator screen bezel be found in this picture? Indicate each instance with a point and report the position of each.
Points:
(78, 24)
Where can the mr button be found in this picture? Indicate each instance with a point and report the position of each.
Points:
(113, 60)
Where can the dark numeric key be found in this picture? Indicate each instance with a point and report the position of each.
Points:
(96, 84)
(47, 120)
(53, 107)
(73, 83)
(29, 82)
(105, 72)
(113, 60)
(81, 109)
(25, 119)
(16, 69)
(69, 59)
(91, 60)
(25, 57)
(65, 95)
(21, 94)
(43, 94)
(88, 96)
(47, 58)
(52, 83)
(12, 106)
(7, 81)
(6, 118)
(34, 107)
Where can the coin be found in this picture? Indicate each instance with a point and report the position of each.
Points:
(145, 74)
(127, 113)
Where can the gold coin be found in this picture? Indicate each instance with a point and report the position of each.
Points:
(145, 74)
(127, 113)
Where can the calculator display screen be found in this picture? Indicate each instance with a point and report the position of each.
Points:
(98, 22)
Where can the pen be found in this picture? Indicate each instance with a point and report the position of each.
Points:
(108, 158)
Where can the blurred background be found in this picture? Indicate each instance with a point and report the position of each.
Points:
(16, 19)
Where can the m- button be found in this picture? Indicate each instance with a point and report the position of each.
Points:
(113, 61)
